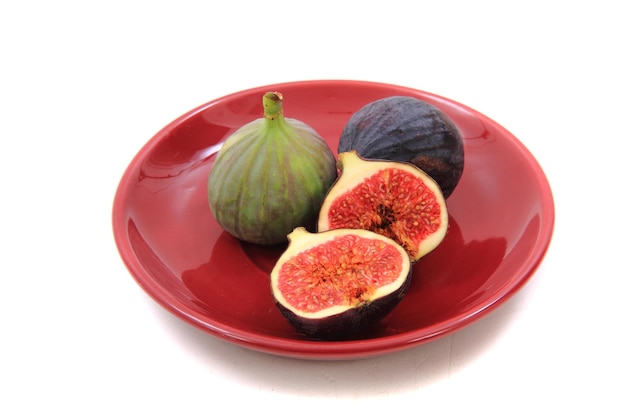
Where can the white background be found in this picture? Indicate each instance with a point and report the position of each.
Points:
(83, 85)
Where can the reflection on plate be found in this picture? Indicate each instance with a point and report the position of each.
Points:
(502, 217)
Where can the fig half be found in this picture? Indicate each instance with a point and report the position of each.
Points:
(337, 283)
(392, 198)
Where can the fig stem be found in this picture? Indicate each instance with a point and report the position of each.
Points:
(273, 105)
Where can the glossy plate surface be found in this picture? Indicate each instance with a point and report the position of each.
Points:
(501, 223)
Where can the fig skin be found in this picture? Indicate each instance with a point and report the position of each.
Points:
(386, 208)
(341, 321)
(407, 129)
(350, 323)
(270, 176)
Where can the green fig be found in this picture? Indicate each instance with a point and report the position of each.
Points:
(270, 176)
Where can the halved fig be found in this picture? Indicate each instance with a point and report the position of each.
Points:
(392, 198)
(336, 283)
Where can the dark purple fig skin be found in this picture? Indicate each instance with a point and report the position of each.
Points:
(407, 129)
(350, 323)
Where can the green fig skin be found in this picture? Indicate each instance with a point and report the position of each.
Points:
(270, 176)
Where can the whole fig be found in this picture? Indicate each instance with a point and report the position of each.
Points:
(270, 176)
(408, 129)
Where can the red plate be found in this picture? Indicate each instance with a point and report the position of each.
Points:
(502, 218)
